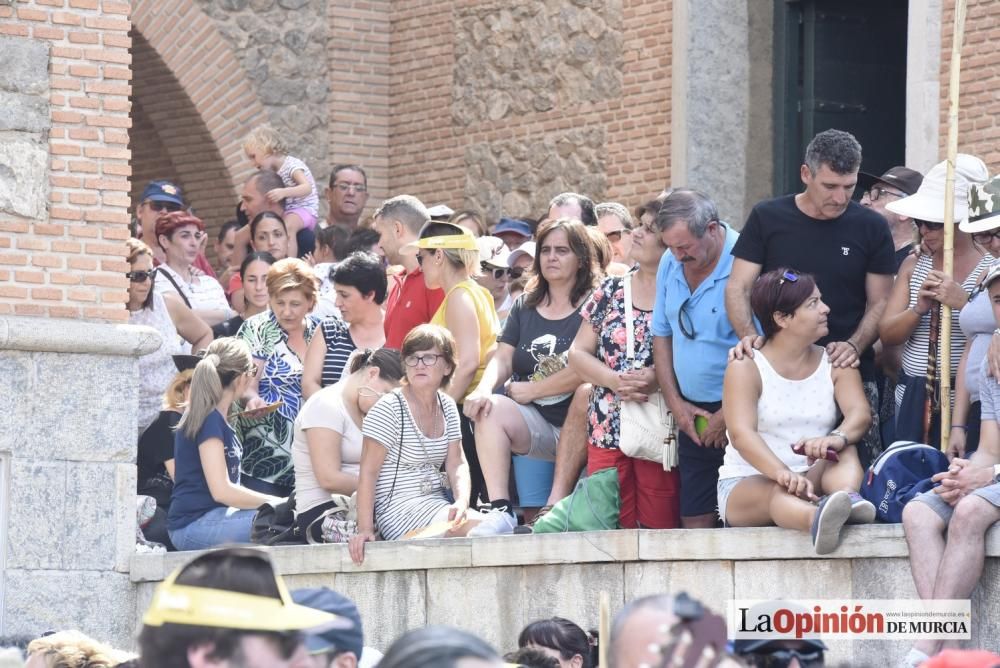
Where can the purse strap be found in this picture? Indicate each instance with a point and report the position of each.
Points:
(161, 270)
(629, 324)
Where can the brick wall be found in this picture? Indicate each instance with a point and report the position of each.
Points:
(428, 155)
(67, 259)
(359, 91)
(979, 106)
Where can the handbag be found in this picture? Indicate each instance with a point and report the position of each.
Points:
(336, 520)
(274, 524)
(594, 505)
(647, 428)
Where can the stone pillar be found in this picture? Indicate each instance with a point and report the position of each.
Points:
(924, 110)
(67, 447)
(721, 127)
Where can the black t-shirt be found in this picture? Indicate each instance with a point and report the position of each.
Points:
(227, 327)
(839, 253)
(540, 349)
(156, 445)
(902, 254)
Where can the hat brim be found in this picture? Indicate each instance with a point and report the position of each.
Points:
(866, 181)
(922, 207)
(520, 233)
(164, 198)
(983, 224)
(185, 362)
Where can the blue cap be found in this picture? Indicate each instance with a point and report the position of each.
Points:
(162, 191)
(330, 640)
(513, 225)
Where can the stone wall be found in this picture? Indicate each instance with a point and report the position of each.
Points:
(63, 158)
(494, 586)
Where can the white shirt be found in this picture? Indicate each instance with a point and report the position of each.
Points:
(203, 292)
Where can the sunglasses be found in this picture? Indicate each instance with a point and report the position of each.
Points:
(497, 273)
(788, 276)
(933, 227)
(163, 206)
(516, 272)
(983, 238)
(616, 235)
(781, 658)
(687, 328)
(140, 276)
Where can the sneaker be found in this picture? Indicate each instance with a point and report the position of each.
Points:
(862, 510)
(831, 514)
(495, 523)
(530, 526)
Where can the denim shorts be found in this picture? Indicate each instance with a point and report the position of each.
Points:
(991, 493)
(724, 489)
(219, 526)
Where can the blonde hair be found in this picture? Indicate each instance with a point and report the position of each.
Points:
(463, 257)
(292, 274)
(267, 139)
(136, 249)
(225, 360)
(173, 398)
(72, 649)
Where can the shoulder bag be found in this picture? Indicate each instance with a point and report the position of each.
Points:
(647, 428)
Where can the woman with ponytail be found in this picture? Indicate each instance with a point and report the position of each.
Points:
(326, 450)
(208, 505)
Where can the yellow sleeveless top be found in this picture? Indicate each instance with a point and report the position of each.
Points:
(486, 314)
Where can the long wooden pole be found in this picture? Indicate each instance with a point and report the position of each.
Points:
(958, 32)
(604, 630)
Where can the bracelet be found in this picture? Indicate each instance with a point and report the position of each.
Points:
(921, 315)
(963, 427)
(851, 344)
(837, 432)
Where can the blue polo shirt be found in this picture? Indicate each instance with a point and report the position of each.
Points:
(699, 363)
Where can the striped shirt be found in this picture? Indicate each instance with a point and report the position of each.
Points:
(310, 201)
(339, 348)
(915, 348)
(400, 504)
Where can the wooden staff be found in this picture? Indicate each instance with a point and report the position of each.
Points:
(949, 215)
(604, 630)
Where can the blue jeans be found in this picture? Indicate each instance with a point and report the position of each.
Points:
(216, 527)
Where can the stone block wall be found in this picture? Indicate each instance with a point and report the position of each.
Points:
(64, 172)
(979, 106)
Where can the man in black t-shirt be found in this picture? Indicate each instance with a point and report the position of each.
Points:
(846, 247)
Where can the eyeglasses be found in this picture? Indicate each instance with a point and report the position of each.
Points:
(498, 273)
(345, 187)
(616, 235)
(878, 192)
(140, 276)
(687, 329)
(163, 206)
(516, 272)
(370, 392)
(781, 658)
(983, 238)
(932, 227)
(430, 359)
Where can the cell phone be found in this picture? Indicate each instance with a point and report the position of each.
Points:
(831, 455)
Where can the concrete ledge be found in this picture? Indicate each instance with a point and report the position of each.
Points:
(56, 335)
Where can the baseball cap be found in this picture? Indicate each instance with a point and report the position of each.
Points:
(461, 239)
(984, 207)
(440, 211)
(493, 251)
(905, 179)
(527, 248)
(515, 226)
(350, 639)
(220, 608)
(162, 191)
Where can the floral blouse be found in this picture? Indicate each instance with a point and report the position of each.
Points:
(267, 441)
(605, 311)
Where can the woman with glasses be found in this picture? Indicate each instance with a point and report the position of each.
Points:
(913, 314)
(413, 471)
(171, 318)
(787, 445)
(326, 450)
(530, 361)
(360, 286)
(650, 496)
(208, 505)
(179, 235)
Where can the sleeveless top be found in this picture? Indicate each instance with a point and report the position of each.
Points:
(156, 369)
(787, 411)
(486, 315)
(978, 322)
(915, 348)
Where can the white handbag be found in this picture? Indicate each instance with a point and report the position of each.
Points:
(647, 428)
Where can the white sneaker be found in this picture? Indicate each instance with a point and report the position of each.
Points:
(495, 523)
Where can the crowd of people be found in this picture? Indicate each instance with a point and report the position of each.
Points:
(450, 375)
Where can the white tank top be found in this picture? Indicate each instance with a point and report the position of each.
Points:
(787, 411)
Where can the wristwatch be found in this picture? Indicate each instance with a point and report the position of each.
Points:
(837, 432)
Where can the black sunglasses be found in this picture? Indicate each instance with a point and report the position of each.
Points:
(163, 206)
(930, 226)
(781, 658)
(687, 329)
(516, 272)
(140, 276)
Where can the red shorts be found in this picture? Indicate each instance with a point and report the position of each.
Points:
(650, 496)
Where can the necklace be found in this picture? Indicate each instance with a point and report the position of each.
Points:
(432, 475)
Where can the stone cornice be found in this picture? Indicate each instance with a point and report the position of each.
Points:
(57, 335)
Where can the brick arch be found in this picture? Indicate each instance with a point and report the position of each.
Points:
(192, 105)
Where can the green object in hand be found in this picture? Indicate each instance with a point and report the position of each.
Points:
(700, 423)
